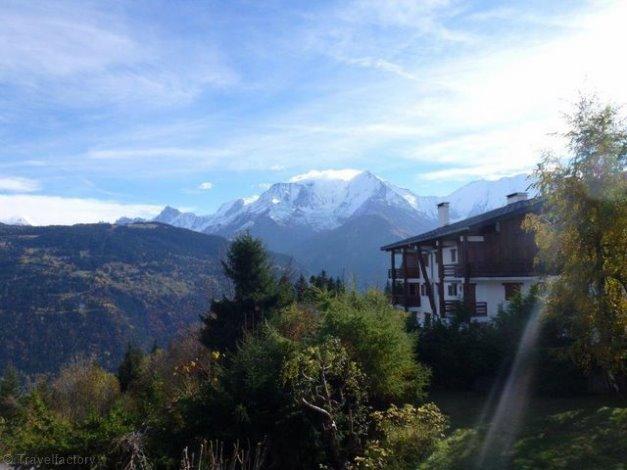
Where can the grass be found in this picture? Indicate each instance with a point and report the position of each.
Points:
(586, 432)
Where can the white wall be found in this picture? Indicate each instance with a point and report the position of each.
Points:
(493, 292)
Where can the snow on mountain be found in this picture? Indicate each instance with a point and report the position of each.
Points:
(324, 200)
(16, 220)
(188, 220)
(317, 200)
(483, 195)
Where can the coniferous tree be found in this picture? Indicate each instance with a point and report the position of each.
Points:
(129, 370)
(300, 287)
(256, 293)
(9, 391)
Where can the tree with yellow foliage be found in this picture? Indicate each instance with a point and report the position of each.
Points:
(582, 236)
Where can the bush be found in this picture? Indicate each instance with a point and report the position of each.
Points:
(81, 389)
(374, 335)
(471, 355)
(460, 355)
(405, 437)
(457, 452)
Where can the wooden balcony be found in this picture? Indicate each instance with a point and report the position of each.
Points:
(409, 301)
(401, 273)
(451, 270)
(490, 269)
(479, 309)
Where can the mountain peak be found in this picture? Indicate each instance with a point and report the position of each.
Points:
(346, 174)
(168, 213)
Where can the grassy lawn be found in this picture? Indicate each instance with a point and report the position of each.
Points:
(587, 432)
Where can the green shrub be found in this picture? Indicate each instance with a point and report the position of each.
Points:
(404, 437)
(374, 335)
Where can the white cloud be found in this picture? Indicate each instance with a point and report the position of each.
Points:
(344, 175)
(459, 97)
(264, 186)
(18, 185)
(94, 55)
(54, 210)
(205, 186)
(382, 64)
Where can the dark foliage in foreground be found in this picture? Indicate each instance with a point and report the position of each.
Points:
(474, 356)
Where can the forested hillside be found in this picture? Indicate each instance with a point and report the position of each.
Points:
(91, 289)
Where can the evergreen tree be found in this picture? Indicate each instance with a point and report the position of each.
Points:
(256, 294)
(582, 237)
(129, 370)
(10, 383)
(9, 391)
(301, 287)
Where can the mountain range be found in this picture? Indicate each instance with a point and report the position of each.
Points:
(337, 221)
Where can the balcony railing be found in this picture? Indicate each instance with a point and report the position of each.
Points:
(489, 269)
(451, 270)
(409, 301)
(401, 273)
(479, 309)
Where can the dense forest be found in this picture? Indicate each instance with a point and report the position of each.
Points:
(289, 373)
(90, 289)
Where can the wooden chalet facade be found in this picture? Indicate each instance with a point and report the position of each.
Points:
(478, 263)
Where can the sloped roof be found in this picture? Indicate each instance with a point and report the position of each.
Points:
(510, 210)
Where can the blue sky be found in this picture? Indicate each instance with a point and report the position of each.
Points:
(111, 108)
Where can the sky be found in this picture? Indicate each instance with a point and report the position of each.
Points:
(119, 108)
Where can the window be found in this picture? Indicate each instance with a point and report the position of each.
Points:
(512, 289)
(452, 289)
(425, 259)
(454, 255)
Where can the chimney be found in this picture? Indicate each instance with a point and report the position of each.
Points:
(516, 197)
(443, 213)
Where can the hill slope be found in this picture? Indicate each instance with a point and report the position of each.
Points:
(89, 289)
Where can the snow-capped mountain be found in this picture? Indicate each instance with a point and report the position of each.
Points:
(326, 200)
(337, 220)
(16, 221)
(323, 201)
(484, 195)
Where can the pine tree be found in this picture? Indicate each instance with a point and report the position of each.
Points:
(129, 370)
(256, 294)
(9, 391)
(301, 287)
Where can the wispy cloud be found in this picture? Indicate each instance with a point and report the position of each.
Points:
(91, 55)
(19, 185)
(382, 64)
(206, 186)
(53, 210)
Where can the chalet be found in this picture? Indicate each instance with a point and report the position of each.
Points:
(478, 263)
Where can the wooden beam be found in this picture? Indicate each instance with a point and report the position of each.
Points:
(405, 286)
(440, 260)
(466, 268)
(423, 270)
(393, 276)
